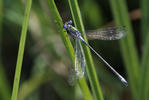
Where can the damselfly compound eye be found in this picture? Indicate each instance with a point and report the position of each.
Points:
(70, 21)
(64, 27)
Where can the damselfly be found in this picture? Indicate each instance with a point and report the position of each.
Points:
(111, 33)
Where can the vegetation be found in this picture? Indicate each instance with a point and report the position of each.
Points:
(32, 38)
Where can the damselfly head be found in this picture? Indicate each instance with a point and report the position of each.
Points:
(67, 24)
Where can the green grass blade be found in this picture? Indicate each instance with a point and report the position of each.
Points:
(67, 43)
(21, 51)
(145, 19)
(4, 86)
(144, 80)
(127, 44)
(59, 24)
(29, 86)
(90, 66)
(94, 17)
(1, 17)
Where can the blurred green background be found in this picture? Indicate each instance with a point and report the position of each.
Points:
(46, 62)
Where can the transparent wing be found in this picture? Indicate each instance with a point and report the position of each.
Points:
(79, 70)
(79, 60)
(72, 79)
(109, 33)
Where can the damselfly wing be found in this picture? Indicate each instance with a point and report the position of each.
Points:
(79, 60)
(109, 33)
(79, 70)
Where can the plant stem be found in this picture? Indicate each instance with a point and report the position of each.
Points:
(21, 51)
(128, 47)
(90, 65)
(67, 43)
(144, 80)
(4, 86)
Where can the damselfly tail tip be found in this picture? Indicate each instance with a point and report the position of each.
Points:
(124, 81)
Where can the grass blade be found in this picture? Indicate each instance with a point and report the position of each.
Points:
(4, 86)
(67, 43)
(21, 51)
(127, 44)
(145, 19)
(90, 66)
(144, 81)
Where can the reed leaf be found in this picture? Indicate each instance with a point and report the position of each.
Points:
(4, 86)
(90, 65)
(128, 47)
(67, 43)
(144, 80)
(21, 51)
